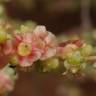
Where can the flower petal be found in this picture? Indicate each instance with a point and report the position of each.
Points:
(40, 31)
(24, 62)
(50, 52)
(27, 37)
(51, 39)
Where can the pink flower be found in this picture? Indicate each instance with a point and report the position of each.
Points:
(69, 46)
(26, 49)
(6, 84)
(48, 41)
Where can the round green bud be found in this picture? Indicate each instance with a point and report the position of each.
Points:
(86, 50)
(51, 63)
(74, 58)
(14, 60)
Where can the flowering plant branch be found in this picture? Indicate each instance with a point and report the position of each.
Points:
(28, 46)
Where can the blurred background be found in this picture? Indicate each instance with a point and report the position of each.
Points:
(57, 15)
(68, 17)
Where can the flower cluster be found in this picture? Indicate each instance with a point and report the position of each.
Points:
(74, 54)
(28, 46)
(36, 46)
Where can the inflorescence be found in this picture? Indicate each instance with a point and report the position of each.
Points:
(28, 46)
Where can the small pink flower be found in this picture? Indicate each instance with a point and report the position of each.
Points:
(27, 50)
(67, 47)
(48, 40)
(6, 84)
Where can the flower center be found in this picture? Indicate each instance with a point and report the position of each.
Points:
(24, 49)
